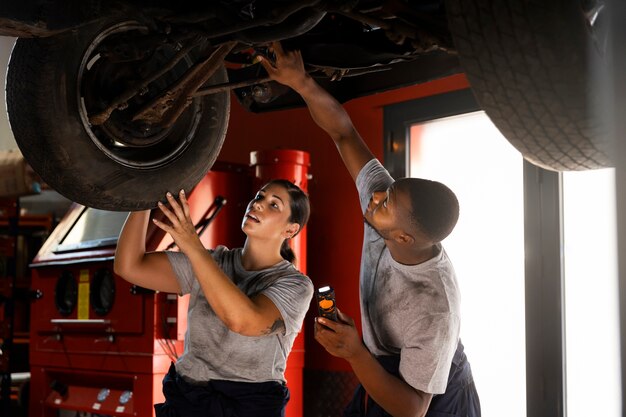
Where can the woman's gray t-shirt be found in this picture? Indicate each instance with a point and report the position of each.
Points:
(212, 351)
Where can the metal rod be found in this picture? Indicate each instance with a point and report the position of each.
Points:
(218, 88)
(76, 321)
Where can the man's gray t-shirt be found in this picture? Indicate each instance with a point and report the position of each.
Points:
(410, 310)
(212, 351)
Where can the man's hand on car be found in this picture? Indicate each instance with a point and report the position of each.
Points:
(288, 68)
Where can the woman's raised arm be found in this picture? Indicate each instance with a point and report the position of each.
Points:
(149, 270)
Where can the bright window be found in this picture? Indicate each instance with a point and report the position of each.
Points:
(468, 154)
(591, 294)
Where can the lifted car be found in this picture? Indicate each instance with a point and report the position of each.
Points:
(114, 102)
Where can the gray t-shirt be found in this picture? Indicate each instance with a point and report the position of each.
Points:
(410, 310)
(212, 351)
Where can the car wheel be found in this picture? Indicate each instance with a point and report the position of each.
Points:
(56, 84)
(534, 67)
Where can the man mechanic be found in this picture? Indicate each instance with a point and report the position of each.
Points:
(410, 361)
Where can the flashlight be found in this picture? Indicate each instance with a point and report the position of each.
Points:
(326, 303)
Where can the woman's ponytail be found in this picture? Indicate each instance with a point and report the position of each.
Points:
(286, 252)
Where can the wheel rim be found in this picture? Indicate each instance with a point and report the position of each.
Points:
(134, 144)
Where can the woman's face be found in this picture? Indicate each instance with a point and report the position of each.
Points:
(267, 215)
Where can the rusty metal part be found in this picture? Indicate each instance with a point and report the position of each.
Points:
(219, 88)
(398, 30)
(277, 16)
(10, 27)
(297, 24)
(335, 74)
(121, 101)
(338, 75)
(166, 108)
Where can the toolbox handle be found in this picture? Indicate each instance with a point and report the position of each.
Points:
(76, 321)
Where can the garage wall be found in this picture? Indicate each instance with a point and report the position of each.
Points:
(335, 229)
(6, 137)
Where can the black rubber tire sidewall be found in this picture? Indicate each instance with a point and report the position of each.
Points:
(44, 116)
(529, 63)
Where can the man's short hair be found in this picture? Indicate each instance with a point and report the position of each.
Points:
(434, 207)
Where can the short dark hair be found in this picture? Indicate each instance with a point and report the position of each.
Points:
(300, 212)
(434, 207)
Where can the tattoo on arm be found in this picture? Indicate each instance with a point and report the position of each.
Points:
(279, 324)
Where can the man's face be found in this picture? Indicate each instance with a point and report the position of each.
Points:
(388, 211)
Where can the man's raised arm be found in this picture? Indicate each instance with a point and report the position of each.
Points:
(327, 112)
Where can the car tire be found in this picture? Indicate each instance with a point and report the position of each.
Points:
(54, 83)
(534, 67)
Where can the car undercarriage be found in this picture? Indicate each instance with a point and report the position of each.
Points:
(130, 91)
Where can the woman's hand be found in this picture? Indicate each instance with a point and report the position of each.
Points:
(257, 316)
(181, 228)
